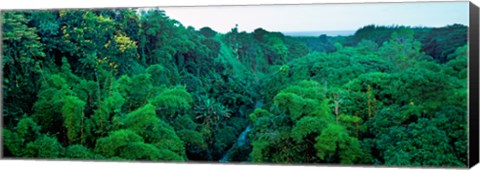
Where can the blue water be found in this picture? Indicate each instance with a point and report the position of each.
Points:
(242, 140)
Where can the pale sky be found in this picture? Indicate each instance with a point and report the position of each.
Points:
(321, 17)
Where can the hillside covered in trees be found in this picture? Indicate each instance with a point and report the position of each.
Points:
(122, 84)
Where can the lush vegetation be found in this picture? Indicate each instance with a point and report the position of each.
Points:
(137, 85)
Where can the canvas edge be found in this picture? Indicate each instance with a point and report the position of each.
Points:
(473, 66)
(1, 84)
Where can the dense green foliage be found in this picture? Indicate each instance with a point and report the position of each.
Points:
(136, 85)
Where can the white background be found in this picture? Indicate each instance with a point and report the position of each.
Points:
(35, 164)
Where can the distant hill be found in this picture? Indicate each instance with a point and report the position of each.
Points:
(318, 33)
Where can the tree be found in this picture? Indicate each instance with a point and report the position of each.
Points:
(335, 140)
(22, 65)
(423, 139)
(441, 42)
(15, 141)
(144, 122)
(43, 147)
(307, 130)
(74, 119)
(207, 32)
(113, 144)
(78, 152)
(402, 49)
(51, 99)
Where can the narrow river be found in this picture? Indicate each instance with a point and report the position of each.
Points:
(242, 140)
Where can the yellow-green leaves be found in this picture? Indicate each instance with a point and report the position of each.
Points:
(113, 144)
(125, 43)
(258, 113)
(172, 101)
(74, 118)
(335, 139)
(144, 122)
(306, 98)
(308, 125)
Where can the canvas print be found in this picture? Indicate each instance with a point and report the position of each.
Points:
(380, 84)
